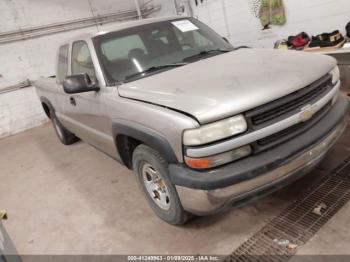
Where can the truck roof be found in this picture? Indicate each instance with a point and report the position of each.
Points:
(122, 26)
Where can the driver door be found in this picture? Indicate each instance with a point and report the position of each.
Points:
(84, 113)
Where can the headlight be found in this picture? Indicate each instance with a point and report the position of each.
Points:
(215, 131)
(218, 160)
(335, 75)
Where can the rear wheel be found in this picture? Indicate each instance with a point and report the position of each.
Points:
(66, 137)
(152, 176)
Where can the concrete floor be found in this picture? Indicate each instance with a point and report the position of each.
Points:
(76, 200)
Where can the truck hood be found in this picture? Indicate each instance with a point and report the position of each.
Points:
(231, 83)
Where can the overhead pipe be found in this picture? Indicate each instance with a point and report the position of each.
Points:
(24, 84)
(32, 32)
(82, 20)
(138, 9)
(176, 7)
(227, 24)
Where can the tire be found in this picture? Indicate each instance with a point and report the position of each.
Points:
(66, 137)
(151, 172)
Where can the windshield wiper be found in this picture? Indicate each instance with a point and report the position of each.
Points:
(205, 53)
(154, 69)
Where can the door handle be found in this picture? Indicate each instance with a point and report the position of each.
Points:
(72, 101)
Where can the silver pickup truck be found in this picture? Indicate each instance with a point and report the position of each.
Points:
(203, 125)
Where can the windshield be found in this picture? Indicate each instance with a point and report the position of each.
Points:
(142, 51)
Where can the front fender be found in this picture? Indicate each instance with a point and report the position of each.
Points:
(147, 136)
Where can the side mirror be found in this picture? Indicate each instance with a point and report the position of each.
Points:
(80, 83)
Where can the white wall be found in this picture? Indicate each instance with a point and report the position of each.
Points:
(20, 110)
(35, 58)
(242, 28)
(167, 8)
(26, 13)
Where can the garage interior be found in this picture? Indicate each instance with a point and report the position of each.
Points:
(75, 200)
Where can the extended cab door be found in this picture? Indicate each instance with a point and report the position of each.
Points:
(85, 114)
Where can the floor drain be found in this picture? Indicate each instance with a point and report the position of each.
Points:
(280, 238)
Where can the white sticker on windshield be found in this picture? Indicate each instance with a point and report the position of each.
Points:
(185, 25)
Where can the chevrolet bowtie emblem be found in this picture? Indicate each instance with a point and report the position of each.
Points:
(307, 112)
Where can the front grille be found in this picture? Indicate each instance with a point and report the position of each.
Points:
(291, 132)
(285, 107)
(281, 108)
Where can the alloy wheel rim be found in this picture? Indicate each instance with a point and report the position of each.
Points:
(155, 186)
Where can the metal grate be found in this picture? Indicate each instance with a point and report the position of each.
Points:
(279, 239)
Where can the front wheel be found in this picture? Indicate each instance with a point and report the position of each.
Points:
(66, 137)
(152, 176)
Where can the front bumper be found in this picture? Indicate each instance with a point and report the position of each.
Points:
(204, 193)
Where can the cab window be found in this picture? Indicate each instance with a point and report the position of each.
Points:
(81, 60)
(62, 65)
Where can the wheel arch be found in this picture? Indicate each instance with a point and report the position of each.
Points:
(47, 106)
(128, 135)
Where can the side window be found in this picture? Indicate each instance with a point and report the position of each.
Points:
(62, 63)
(81, 60)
